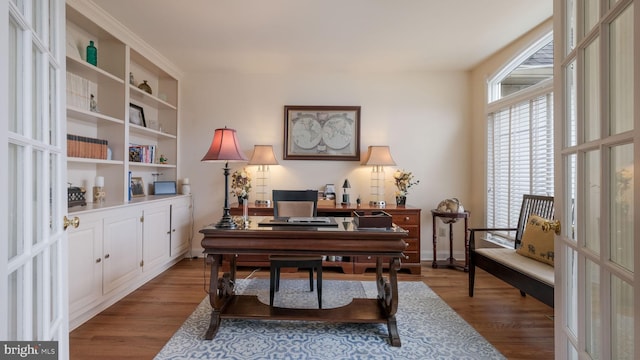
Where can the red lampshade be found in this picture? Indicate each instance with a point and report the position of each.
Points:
(224, 147)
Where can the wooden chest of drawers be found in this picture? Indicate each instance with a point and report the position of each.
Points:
(407, 218)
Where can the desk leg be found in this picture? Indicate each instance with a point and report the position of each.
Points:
(221, 290)
(388, 297)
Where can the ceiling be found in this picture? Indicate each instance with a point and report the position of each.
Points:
(328, 35)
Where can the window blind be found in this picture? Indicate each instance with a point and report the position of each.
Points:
(519, 157)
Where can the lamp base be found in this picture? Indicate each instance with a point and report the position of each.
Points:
(379, 203)
(263, 202)
(226, 223)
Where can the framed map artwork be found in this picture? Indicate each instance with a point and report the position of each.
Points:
(322, 133)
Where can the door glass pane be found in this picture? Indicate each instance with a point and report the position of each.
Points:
(592, 91)
(592, 200)
(591, 14)
(14, 307)
(622, 346)
(53, 100)
(572, 352)
(19, 4)
(15, 200)
(622, 205)
(15, 78)
(38, 200)
(54, 217)
(570, 26)
(36, 15)
(571, 306)
(622, 67)
(571, 175)
(53, 32)
(572, 107)
(36, 105)
(54, 299)
(37, 276)
(593, 320)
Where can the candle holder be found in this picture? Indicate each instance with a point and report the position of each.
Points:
(99, 194)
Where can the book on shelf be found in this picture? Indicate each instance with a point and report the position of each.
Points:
(142, 153)
(86, 147)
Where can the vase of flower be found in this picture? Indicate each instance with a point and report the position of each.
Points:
(241, 185)
(242, 199)
(403, 181)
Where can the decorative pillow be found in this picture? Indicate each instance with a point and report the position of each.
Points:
(537, 240)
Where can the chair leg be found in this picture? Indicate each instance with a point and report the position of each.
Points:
(319, 286)
(272, 284)
(311, 279)
(277, 278)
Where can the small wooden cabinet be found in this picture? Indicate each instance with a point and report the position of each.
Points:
(406, 217)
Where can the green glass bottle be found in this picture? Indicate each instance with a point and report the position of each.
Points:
(92, 54)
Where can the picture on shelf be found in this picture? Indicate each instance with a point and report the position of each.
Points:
(137, 187)
(136, 115)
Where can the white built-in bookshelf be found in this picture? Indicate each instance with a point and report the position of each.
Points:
(112, 121)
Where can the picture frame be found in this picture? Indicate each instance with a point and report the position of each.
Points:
(321, 133)
(137, 187)
(136, 115)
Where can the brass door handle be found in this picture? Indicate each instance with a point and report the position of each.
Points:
(75, 222)
(552, 225)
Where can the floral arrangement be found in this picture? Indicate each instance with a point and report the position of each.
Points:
(404, 180)
(241, 183)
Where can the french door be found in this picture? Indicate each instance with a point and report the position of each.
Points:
(33, 249)
(597, 127)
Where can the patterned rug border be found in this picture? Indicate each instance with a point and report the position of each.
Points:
(428, 327)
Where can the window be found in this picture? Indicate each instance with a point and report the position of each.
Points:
(519, 135)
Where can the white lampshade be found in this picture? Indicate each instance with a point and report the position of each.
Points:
(263, 156)
(378, 157)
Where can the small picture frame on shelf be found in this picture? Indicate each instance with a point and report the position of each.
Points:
(137, 187)
(136, 115)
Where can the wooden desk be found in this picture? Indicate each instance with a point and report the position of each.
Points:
(451, 262)
(407, 217)
(287, 240)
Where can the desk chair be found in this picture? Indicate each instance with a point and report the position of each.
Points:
(287, 203)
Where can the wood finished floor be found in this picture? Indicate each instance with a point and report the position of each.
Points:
(139, 325)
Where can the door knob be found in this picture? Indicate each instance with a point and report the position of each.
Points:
(75, 222)
(552, 225)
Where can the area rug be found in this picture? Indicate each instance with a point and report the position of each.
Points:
(428, 327)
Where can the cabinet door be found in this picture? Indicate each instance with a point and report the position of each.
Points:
(85, 263)
(155, 236)
(122, 248)
(180, 226)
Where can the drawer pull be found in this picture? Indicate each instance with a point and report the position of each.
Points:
(98, 260)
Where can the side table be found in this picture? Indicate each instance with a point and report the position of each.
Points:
(451, 218)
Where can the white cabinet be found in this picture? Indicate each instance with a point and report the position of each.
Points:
(181, 226)
(116, 250)
(122, 247)
(156, 236)
(85, 262)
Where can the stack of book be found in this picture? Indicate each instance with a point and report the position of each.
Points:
(142, 153)
(86, 147)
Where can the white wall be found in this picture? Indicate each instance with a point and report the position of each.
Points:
(423, 117)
